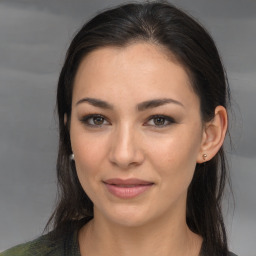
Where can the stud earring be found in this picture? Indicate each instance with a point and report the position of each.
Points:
(72, 157)
(204, 156)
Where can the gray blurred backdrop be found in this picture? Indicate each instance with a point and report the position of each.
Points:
(34, 35)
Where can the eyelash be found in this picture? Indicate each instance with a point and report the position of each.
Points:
(168, 119)
(85, 120)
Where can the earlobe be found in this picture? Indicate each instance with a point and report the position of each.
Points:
(213, 135)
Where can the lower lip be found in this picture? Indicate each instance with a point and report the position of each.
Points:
(127, 192)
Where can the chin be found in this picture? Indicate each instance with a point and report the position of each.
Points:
(128, 216)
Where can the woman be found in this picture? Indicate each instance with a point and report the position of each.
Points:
(142, 100)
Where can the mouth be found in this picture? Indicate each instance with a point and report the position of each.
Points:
(127, 189)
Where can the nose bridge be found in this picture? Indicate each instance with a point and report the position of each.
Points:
(125, 149)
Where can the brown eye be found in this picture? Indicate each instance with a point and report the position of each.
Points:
(159, 121)
(98, 120)
(94, 120)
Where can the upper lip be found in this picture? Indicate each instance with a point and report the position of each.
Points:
(127, 182)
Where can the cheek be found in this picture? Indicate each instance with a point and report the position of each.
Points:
(89, 151)
(176, 168)
(88, 154)
(176, 155)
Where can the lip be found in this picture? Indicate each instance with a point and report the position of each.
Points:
(128, 188)
(133, 181)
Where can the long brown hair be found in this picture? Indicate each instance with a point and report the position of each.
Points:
(163, 24)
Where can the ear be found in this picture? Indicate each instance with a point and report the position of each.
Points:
(213, 135)
(65, 119)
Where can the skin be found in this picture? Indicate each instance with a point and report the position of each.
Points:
(129, 143)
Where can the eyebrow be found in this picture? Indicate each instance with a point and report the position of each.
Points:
(156, 103)
(96, 102)
(140, 107)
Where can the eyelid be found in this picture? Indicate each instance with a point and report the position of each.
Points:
(167, 118)
(85, 119)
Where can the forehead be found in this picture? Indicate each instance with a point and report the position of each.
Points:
(140, 70)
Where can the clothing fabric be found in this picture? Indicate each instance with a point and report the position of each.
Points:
(46, 246)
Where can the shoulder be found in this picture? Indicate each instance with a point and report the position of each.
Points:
(41, 246)
(232, 254)
(60, 242)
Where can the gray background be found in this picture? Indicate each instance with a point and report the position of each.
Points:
(34, 35)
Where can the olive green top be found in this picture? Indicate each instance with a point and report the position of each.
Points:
(47, 246)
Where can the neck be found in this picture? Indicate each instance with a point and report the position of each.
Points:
(159, 238)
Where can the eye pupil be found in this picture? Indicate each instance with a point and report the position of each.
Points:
(98, 120)
(159, 121)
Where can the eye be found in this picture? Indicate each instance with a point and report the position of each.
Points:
(94, 120)
(160, 121)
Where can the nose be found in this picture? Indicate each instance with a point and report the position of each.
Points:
(126, 148)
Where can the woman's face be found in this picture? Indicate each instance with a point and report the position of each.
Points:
(136, 133)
